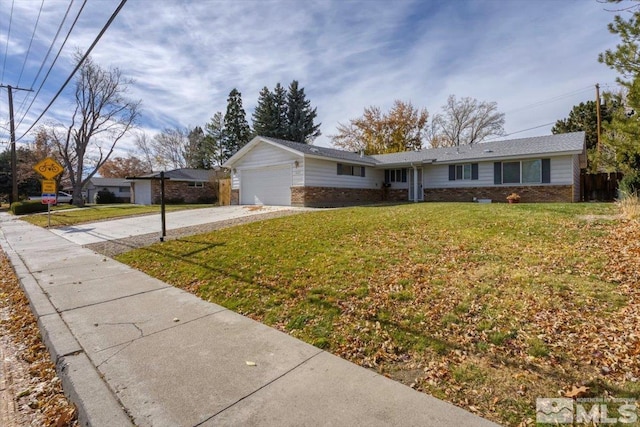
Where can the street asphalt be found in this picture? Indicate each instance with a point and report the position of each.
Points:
(132, 350)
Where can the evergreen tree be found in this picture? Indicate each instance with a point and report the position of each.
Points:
(300, 116)
(196, 153)
(237, 130)
(216, 139)
(270, 115)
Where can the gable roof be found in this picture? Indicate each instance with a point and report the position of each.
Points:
(566, 143)
(183, 174)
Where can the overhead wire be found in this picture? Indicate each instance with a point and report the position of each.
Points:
(73, 24)
(550, 100)
(44, 60)
(26, 58)
(80, 62)
(6, 49)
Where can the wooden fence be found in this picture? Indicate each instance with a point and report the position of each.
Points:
(602, 187)
(224, 192)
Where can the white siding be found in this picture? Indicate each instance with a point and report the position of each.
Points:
(324, 173)
(142, 192)
(262, 155)
(437, 176)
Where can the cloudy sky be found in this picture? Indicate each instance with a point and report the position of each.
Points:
(535, 58)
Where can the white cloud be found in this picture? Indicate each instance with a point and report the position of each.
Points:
(186, 56)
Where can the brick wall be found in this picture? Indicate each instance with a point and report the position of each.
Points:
(395, 194)
(235, 197)
(331, 196)
(538, 193)
(181, 192)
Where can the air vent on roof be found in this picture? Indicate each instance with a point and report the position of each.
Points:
(314, 150)
(488, 151)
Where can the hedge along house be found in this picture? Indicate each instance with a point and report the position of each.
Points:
(275, 172)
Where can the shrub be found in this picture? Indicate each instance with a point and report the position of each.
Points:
(28, 206)
(105, 197)
(630, 184)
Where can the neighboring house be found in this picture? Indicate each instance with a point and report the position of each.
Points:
(183, 186)
(275, 172)
(120, 187)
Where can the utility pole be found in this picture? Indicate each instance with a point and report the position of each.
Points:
(12, 133)
(598, 115)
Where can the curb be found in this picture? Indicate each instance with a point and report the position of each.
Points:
(81, 382)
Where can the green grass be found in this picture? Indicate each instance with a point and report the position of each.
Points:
(64, 215)
(461, 286)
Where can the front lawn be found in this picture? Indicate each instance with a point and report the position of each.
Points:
(64, 215)
(486, 306)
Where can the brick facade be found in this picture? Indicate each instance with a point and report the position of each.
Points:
(395, 194)
(181, 192)
(332, 197)
(235, 197)
(537, 193)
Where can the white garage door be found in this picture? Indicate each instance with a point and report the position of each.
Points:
(266, 186)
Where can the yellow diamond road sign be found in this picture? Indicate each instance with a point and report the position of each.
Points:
(48, 168)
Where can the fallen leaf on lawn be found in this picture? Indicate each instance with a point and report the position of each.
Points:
(576, 391)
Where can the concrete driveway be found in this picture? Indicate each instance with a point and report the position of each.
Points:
(85, 234)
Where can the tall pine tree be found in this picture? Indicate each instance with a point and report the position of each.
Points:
(285, 114)
(237, 130)
(300, 116)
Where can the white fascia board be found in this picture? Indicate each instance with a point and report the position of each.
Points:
(334, 159)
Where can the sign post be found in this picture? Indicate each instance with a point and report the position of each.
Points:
(49, 168)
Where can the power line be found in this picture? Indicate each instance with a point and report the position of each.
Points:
(519, 131)
(84, 57)
(6, 49)
(30, 43)
(73, 24)
(550, 100)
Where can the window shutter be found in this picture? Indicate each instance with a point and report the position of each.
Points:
(361, 170)
(546, 171)
(386, 175)
(404, 175)
(474, 171)
(497, 173)
(339, 168)
(452, 172)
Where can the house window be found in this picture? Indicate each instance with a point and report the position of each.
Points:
(395, 175)
(123, 189)
(350, 170)
(462, 172)
(534, 171)
(511, 173)
(197, 184)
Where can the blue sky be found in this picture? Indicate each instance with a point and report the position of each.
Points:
(535, 58)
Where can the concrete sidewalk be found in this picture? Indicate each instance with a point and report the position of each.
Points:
(131, 349)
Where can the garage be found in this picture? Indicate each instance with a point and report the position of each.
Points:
(266, 186)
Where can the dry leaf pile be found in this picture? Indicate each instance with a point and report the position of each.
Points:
(38, 393)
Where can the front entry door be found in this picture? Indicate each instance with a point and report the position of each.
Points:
(411, 175)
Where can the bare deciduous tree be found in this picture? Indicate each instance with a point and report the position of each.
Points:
(465, 121)
(143, 144)
(169, 147)
(101, 117)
